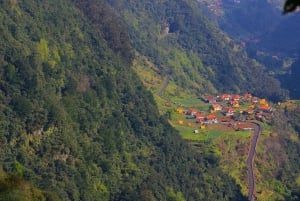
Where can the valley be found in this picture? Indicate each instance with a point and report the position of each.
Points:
(222, 125)
(147, 100)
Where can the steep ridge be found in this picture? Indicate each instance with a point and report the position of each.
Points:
(77, 123)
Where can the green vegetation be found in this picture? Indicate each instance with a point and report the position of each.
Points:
(192, 51)
(76, 123)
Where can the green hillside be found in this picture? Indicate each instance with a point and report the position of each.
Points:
(182, 43)
(76, 123)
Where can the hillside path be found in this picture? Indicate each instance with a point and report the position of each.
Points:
(250, 161)
(164, 86)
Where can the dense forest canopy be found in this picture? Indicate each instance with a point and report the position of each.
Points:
(77, 123)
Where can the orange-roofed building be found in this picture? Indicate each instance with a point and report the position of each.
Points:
(211, 118)
(254, 99)
(248, 96)
(225, 97)
(263, 101)
(235, 97)
(216, 107)
(199, 116)
(229, 111)
(265, 108)
(180, 110)
(235, 103)
(210, 99)
(191, 112)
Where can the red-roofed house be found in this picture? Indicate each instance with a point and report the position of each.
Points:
(191, 112)
(236, 97)
(265, 108)
(248, 96)
(229, 111)
(210, 99)
(211, 118)
(235, 103)
(225, 97)
(199, 116)
(216, 107)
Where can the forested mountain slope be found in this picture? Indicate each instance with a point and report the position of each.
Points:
(184, 44)
(75, 121)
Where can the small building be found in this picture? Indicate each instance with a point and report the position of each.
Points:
(229, 111)
(180, 110)
(255, 100)
(265, 108)
(235, 97)
(248, 97)
(216, 107)
(210, 99)
(168, 104)
(191, 112)
(225, 97)
(244, 127)
(211, 118)
(259, 115)
(235, 103)
(199, 115)
(263, 101)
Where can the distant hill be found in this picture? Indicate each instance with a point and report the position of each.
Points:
(245, 19)
(284, 37)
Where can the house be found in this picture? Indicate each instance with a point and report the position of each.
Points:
(259, 115)
(229, 111)
(263, 101)
(199, 115)
(254, 100)
(211, 118)
(225, 97)
(235, 97)
(191, 112)
(216, 107)
(244, 127)
(180, 110)
(265, 108)
(210, 99)
(180, 122)
(248, 97)
(168, 104)
(235, 103)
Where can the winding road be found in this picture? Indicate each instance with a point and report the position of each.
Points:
(250, 161)
(164, 86)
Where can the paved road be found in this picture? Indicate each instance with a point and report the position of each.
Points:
(250, 161)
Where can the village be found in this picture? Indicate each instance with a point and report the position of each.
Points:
(231, 110)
